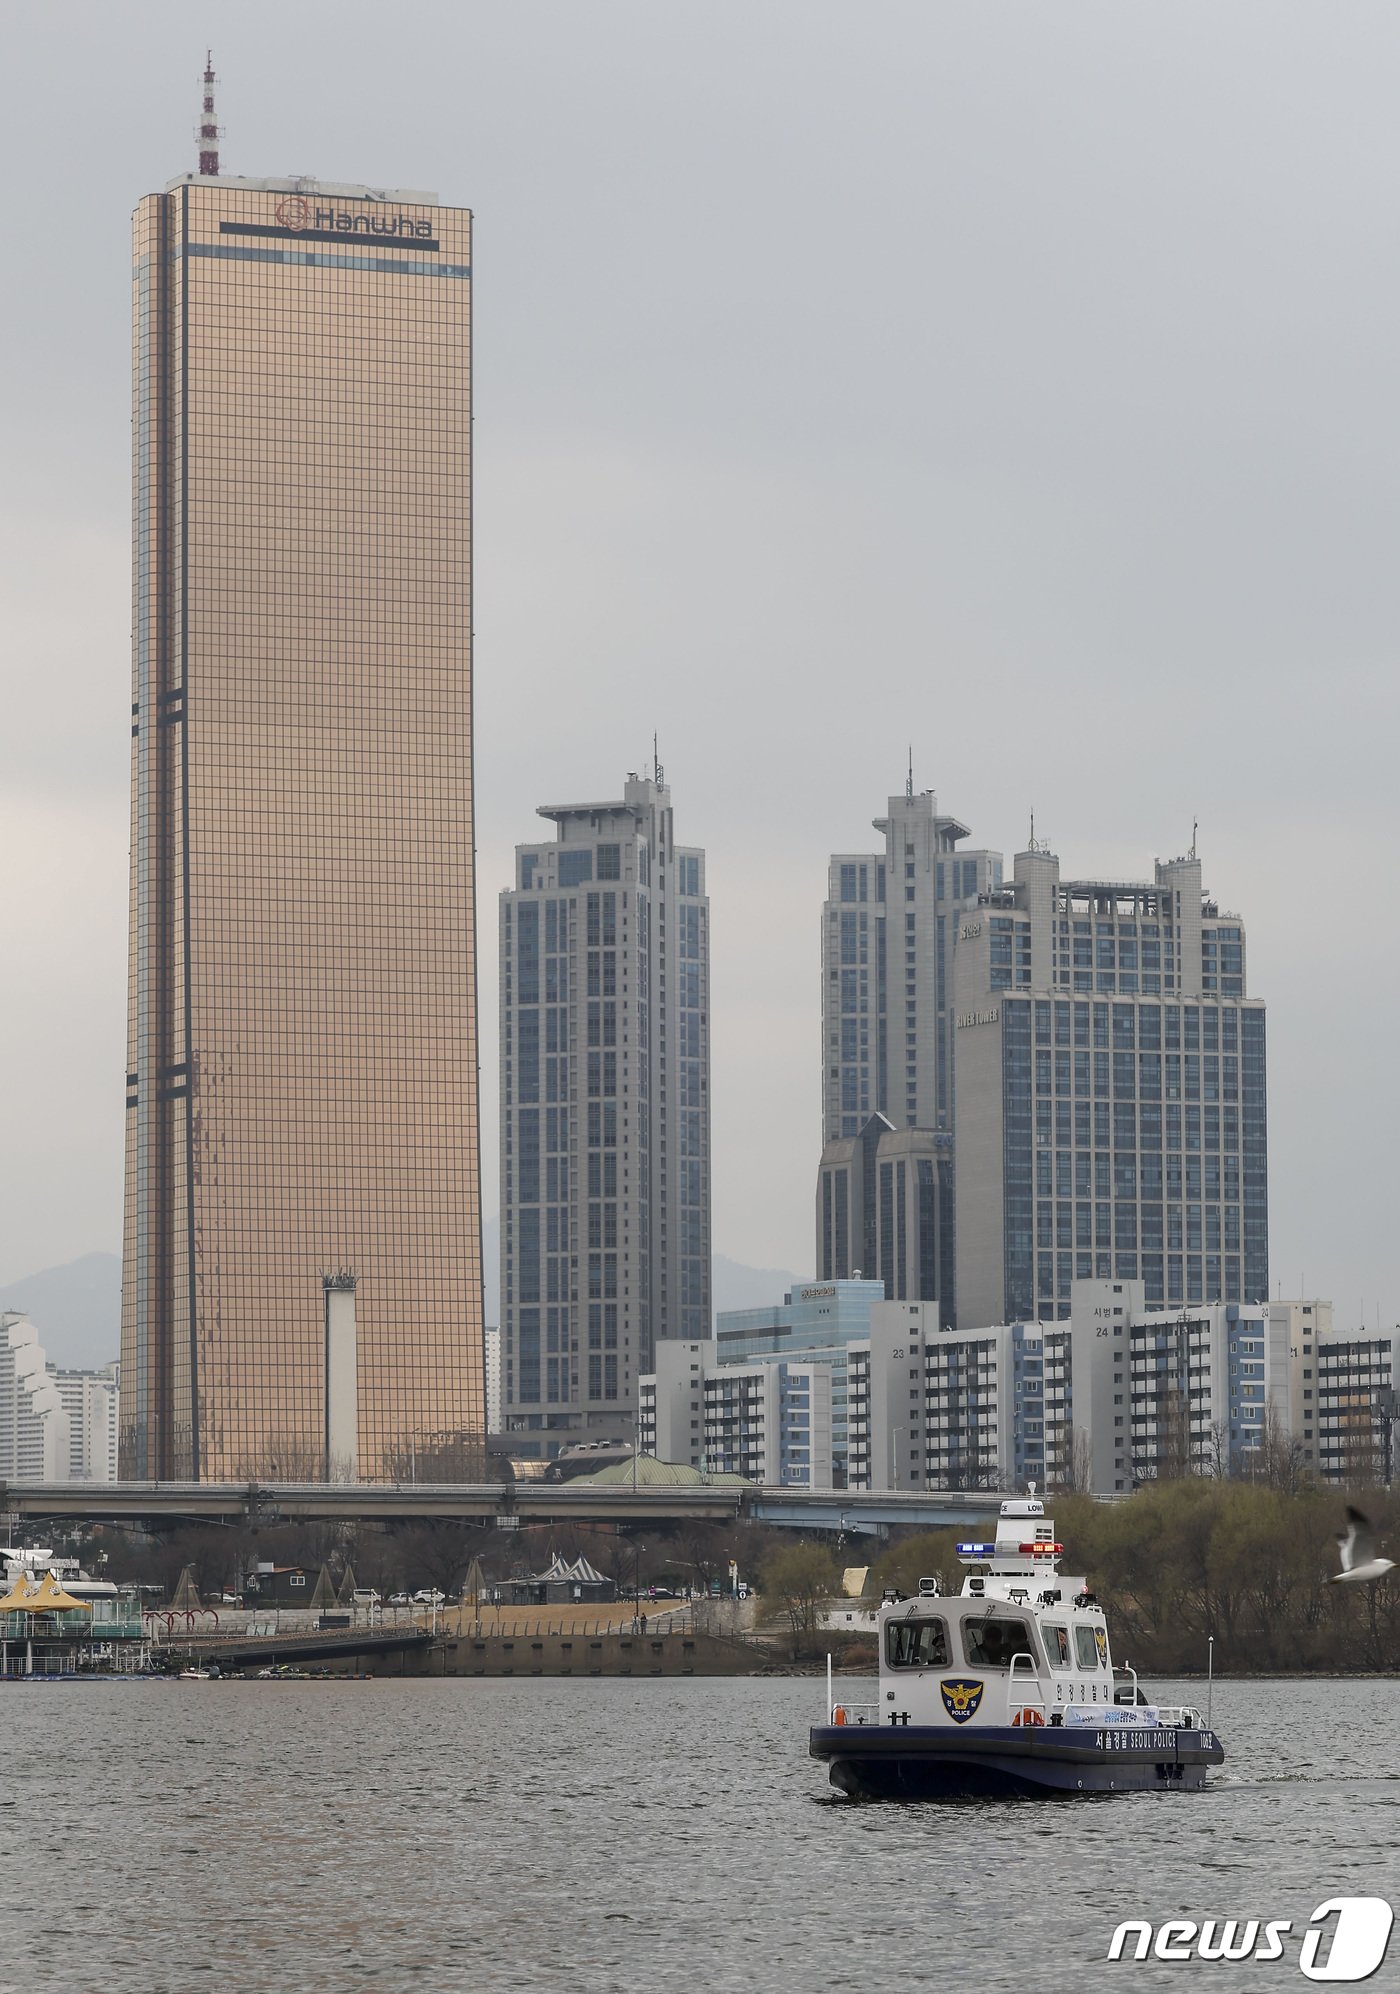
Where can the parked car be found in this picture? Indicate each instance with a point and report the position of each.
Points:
(398, 1599)
(366, 1596)
(429, 1598)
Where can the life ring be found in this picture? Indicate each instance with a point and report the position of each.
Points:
(1028, 1717)
(838, 1715)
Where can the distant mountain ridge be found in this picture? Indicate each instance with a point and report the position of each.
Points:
(77, 1308)
(736, 1286)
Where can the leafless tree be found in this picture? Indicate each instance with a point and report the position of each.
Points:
(283, 1457)
(439, 1457)
(1280, 1458)
(1077, 1477)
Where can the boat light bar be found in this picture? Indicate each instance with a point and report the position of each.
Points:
(1042, 1550)
(976, 1550)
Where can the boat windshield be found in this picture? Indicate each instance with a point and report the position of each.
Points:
(991, 1643)
(916, 1644)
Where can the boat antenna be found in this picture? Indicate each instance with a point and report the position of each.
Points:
(1210, 1678)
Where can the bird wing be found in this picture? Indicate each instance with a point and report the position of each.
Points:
(1358, 1546)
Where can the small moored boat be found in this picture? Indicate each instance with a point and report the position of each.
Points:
(1007, 1688)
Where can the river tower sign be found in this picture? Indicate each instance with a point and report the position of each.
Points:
(302, 1065)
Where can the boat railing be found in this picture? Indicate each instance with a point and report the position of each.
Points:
(1127, 1669)
(840, 1711)
(1025, 1692)
(1181, 1717)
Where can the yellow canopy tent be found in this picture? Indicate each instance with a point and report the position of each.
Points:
(20, 1597)
(51, 1598)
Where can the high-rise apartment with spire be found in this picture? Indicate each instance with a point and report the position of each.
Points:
(605, 1114)
(302, 1064)
(1080, 1059)
(888, 932)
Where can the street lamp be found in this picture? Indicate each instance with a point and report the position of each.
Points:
(637, 1550)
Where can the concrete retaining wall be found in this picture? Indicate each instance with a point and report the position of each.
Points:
(569, 1655)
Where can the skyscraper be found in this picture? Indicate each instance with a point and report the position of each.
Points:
(887, 942)
(605, 1114)
(1110, 1085)
(888, 932)
(877, 1210)
(301, 1079)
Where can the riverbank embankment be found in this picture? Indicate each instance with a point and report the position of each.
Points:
(549, 1652)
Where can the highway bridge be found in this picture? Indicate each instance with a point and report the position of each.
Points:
(506, 1505)
(873, 1512)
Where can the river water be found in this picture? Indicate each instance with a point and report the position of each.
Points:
(659, 1835)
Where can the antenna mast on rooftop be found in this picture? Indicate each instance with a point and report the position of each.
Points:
(909, 779)
(206, 131)
(657, 772)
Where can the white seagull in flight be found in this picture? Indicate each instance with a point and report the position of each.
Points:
(1360, 1565)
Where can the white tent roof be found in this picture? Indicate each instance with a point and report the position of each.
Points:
(580, 1572)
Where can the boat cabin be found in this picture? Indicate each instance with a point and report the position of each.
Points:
(1022, 1644)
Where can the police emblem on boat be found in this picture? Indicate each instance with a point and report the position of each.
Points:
(960, 1699)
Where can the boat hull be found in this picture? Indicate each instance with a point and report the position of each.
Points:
(935, 1762)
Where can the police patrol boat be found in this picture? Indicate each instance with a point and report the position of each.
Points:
(1007, 1688)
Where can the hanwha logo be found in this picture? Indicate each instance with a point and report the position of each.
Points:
(294, 213)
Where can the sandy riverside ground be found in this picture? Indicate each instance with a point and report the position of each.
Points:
(613, 1617)
(663, 1616)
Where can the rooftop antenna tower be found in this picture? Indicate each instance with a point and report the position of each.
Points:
(206, 131)
(1195, 826)
(658, 773)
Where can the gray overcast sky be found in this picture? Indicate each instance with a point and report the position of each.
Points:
(1018, 381)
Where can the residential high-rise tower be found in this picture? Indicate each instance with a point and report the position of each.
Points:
(302, 1060)
(605, 1114)
(889, 927)
(1111, 1099)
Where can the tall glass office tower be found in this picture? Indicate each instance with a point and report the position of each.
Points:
(302, 1059)
(605, 1114)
